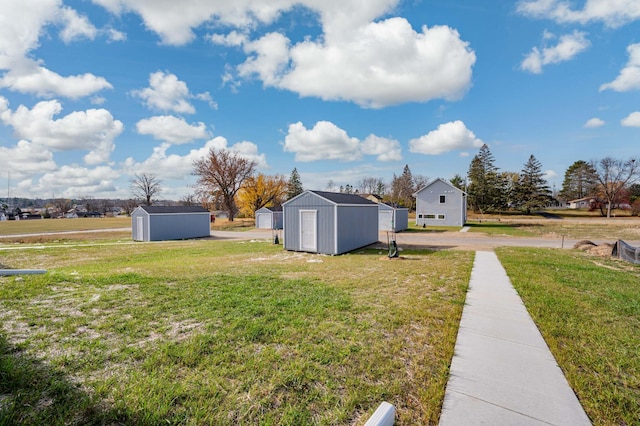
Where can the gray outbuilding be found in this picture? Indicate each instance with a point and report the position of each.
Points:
(393, 219)
(269, 218)
(329, 222)
(160, 223)
(441, 204)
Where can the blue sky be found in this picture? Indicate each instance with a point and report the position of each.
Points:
(92, 92)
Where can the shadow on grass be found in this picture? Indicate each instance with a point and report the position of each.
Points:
(33, 393)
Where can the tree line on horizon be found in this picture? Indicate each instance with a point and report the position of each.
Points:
(228, 181)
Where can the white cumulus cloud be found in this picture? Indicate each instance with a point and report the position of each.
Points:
(632, 120)
(29, 77)
(567, 48)
(172, 129)
(93, 130)
(629, 77)
(325, 141)
(73, 180)
(174, 166)
(447, 137)
(26, 159)
(384, 148)
(166, 93)
(594, 122)
(613, 13)
(22, 23)
(375, 65)
(75, 26)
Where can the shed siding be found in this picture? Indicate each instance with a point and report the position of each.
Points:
(357, 227)
(179, 226)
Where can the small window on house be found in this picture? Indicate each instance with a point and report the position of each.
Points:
(441, 216)
(419, 216)
(430, 216)
(443, 199)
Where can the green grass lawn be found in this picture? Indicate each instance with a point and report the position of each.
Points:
(213, 332)
(588, 310)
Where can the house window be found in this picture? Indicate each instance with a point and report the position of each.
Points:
(443, 199)
(430, 216)
(441, 216)
(419, 216)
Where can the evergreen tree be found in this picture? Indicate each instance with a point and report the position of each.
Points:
(294, 185)
(487, 188)
(532, 191)
(458, 182)
(580, 180)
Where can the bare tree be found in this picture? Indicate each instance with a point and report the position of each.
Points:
(145, 187)
(613, 177)
(221, 174)
(371, 185)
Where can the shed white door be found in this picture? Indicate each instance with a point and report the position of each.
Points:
(308, 230)
(264, 220)
(139, 228)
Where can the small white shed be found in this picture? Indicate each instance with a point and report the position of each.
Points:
(160, 223)
(392, 218)
(269, 218)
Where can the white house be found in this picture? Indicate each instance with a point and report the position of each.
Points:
(581, 203)
(441, 204)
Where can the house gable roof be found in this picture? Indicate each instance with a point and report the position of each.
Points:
(438, 180)
(173, 209)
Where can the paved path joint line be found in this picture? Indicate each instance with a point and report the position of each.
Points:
(502, 372)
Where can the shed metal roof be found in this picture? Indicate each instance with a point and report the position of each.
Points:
(173, 209)
(341, 198)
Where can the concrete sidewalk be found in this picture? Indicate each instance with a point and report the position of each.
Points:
(502, 372)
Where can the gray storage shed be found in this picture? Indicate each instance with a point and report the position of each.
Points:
(329, 222)
(441, 204)
(391, 218)
(269, 218)
(159, 223)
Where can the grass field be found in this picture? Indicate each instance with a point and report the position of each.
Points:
(212, 332)
(216, 332)
(588, 310)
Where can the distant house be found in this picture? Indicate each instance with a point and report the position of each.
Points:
(372, 197)
(392, 219)
(329, 222)
(269, 218)
(441, 204)
(160, 223)
(582, 203)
